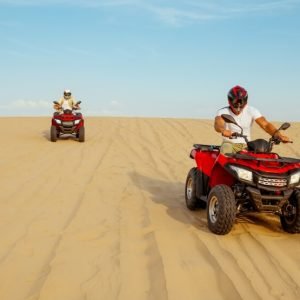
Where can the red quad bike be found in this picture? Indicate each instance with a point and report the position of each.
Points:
(252, 180)
(67, 123)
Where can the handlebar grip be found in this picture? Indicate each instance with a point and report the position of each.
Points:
(236, 135)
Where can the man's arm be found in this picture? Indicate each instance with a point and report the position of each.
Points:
(220, 127)
(57, 106)
(271, 129)
(73, 102)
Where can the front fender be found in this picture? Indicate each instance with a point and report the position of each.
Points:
(219, 175)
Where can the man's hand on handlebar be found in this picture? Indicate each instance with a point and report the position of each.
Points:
(232, 135)
(227, 133)
(56, 106)
(282, 138)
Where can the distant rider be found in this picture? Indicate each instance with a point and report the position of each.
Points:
(244, 115)
(66, 102)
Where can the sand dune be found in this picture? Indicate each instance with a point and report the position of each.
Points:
(106, 219)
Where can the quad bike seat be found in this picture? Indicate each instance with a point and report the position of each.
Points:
(259, 146)
(203, 147)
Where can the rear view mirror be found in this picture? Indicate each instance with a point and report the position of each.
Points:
(228, 119)
(284, 126)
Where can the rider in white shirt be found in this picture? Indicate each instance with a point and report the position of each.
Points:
(66, 105)
(244, 116)
(66, 102)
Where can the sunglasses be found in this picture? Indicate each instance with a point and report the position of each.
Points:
(239, 102)
(67, 94)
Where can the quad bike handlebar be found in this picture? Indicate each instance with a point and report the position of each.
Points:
(237, 134)
(75, 107)
(268, 145)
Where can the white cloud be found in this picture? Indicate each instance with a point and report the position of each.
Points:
(175, 16)
(195, 11)
(26, 104)
(115, 104)
(186, 7)
(88, 3)
(113, 108)
(26, 108)
(177, 12)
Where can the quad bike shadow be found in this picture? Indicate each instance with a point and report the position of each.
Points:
(47, 136)
(170, 194)
(269, 223)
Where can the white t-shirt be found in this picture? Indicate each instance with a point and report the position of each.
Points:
(66, 105)
(244, 119)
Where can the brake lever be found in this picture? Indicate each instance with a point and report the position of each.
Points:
(234, 135)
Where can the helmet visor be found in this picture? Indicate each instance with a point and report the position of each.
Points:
(239, 103)
(67, 96)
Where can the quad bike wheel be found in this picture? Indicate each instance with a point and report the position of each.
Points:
(221, 209)
(192, 202)
(81, 134)
(53, 134)
(290, 219)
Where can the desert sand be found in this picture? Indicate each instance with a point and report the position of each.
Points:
(106, 219)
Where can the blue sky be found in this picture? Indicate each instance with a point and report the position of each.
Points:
(150, 58)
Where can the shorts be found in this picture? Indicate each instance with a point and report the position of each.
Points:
(228, 147)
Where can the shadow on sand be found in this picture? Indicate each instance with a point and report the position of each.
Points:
(172, 196)
(270, 222)
(46, 135)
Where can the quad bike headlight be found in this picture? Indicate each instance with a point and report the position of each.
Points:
(295, 178)
(76, 122)
(57, 121)
(242, 173)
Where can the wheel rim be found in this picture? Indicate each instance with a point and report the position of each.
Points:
(189, 189)
(291, 216)
(290, 219)
(213, 209)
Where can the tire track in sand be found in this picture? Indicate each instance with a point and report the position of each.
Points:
(46, 269)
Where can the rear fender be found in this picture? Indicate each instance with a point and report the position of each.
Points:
(205, 161)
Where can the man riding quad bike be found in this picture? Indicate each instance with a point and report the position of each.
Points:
(252, 180)
(67, 122)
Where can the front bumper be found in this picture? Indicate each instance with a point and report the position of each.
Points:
(268, 203)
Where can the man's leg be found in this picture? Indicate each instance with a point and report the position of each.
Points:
(238, 147)
(226, 147)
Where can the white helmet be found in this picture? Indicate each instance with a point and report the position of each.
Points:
(67, 94)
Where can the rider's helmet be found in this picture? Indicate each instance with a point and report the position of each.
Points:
(237, 99)
(67, 94)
